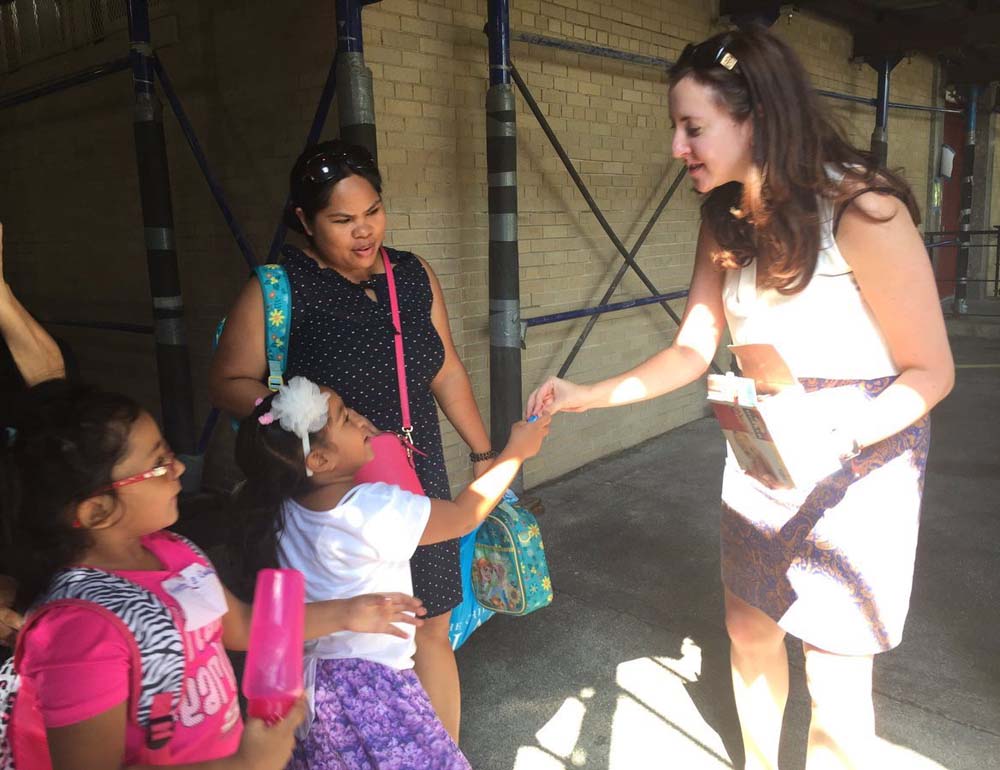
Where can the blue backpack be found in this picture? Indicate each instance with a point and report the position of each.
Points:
(469, 614)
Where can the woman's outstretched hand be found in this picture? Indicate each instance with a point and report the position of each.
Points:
(556, 395)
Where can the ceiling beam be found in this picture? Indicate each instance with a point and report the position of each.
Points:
(971, 29)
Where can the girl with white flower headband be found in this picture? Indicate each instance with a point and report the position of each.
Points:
(299, 451)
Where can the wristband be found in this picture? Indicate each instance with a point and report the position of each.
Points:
(479, 457)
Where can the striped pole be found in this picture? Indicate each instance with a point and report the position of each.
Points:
(961, 304)
(355, 103)
(505, 292)
(880, 135)
(172, 361)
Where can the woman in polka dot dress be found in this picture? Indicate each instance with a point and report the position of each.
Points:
(342, 336)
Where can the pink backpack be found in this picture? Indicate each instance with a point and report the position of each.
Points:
(157, 664)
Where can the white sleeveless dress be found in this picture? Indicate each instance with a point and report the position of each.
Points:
(832, 565)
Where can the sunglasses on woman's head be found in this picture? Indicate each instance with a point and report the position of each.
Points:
(708, 54)
(323, 166)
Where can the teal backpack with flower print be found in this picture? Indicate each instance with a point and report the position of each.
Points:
(277, 292)
(510, 573)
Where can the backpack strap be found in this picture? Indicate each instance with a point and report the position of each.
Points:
(277, 292)
(155, 641)
(9, 684)
(200, 556)
(844, 204)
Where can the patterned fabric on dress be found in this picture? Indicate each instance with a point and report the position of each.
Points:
(832, 566)
(343, 339)
(372, 717)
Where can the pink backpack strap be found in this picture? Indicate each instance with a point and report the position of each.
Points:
(156, 645)
(135, 676)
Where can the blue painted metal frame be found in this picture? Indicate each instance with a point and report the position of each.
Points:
(665, 64)
(199, 155)
(69, 81)
(319, 120)
(601, 309)
(350, 37)
(499, 35)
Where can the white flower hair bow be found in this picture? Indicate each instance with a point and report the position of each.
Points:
(301, 408)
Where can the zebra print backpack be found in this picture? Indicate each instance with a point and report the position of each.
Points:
(158, 664)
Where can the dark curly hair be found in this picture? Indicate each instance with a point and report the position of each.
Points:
(775, 216)
(68, 439)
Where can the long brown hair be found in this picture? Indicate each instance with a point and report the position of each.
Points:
(775, 216)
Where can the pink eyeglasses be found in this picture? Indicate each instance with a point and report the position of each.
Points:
(153, 473)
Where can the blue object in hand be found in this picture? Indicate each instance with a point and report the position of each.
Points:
(533, 418)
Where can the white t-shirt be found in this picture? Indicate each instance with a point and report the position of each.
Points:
(362, 546)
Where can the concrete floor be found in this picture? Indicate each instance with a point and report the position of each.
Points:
(629, 666)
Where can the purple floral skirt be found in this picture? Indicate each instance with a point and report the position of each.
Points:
(832, 565)
(372, 717)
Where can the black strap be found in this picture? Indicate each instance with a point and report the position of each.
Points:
(857, 194)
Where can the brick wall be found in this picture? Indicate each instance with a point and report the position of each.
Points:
(250, 80)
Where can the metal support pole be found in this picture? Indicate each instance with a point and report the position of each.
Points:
(504, 267)
(961, 305)
(996, 265)
(880, 136)
(355, 104)
(172, 361)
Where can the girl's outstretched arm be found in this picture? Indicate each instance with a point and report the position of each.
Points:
(369, 613)
(99, 742)
(451, 519)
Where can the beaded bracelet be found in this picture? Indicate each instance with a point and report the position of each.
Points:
(478, 457)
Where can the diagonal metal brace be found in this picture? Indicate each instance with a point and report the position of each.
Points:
(592, 321)
(578, 181)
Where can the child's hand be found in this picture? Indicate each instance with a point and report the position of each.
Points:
(376, 613)
(526, 437)
(269, 747)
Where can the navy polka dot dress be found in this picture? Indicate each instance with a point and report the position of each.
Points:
(342, 338)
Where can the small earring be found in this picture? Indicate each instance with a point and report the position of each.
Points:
(76, 524)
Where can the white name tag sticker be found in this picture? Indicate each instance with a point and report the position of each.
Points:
(197, 590)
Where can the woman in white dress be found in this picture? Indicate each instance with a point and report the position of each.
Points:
(808, 245)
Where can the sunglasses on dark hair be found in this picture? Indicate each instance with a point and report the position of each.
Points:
(710, 53)
(322, 167)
